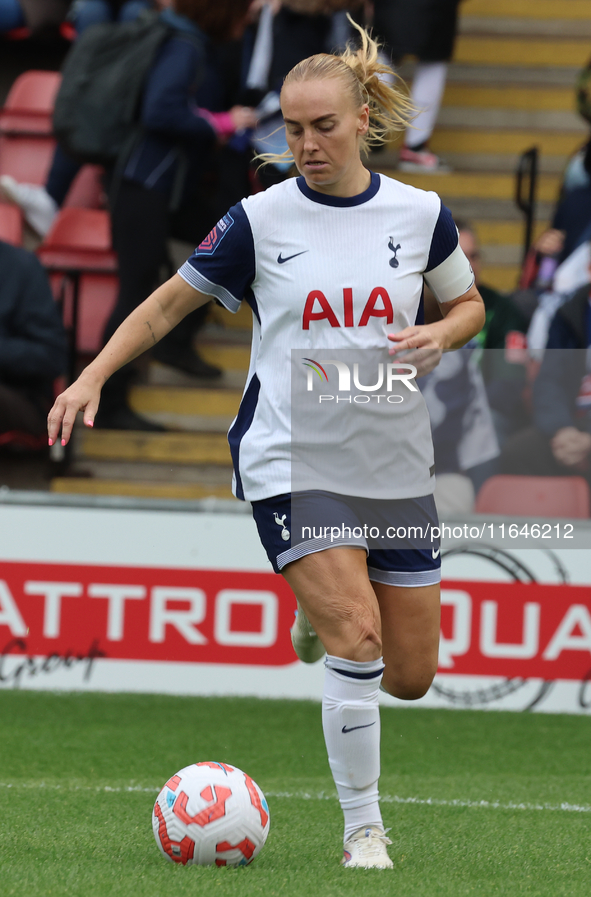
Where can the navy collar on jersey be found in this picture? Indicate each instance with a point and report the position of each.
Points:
(341, 202)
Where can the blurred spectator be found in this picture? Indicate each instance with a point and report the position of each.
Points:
(33, 14)
(425, 29)
(33, 348)
(503, 342)
(40, 204)
(184, 120)
(85, 13)
(560, 441)
(464, 439)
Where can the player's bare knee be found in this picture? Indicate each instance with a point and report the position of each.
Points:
(405, 686)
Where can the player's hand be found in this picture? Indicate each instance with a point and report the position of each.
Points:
(244, 117)
(83, 395)
(416, 345)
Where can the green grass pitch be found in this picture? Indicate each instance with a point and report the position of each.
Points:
(70, 826)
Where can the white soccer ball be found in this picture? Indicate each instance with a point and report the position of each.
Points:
(211, 813)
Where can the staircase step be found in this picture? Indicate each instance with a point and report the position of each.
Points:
(230, 358)
(468, 140)
(532, 9)
(206, 402)
(475, 184)
(499, 233)
(511, 25)
(174, 491)
(502, 277)
(172, 448)
(510, 97)
(563, 76)
(501, 163)
(521, 52)
(513, 119)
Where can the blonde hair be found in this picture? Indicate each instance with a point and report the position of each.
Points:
(367, 80)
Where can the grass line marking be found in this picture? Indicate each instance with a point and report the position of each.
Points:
(323, 795)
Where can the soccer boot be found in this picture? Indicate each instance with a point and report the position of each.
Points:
(306, 643)
(366, 849)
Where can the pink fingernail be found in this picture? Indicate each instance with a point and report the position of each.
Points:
(50, 441)
(90, 423)
(63, 441)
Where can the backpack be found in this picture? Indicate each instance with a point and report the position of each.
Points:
(97, 110)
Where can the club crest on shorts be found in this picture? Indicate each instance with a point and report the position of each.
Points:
(280, 521)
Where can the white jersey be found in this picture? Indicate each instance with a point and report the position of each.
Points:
(327, 274)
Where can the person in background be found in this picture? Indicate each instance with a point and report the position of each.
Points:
(184, 123)
(85, 13)
(33, 349)
(40, 204)
(425, 29)
(503, 344)
(33, 14)
(559, 443)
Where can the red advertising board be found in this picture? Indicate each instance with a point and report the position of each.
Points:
(143, 613)
(229, 617)
(516, 629)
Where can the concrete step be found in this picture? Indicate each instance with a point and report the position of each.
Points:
(191, 409)
(470, 140)
(501, 163)
(502, 277)
(549, 53)
(510, 97)
(151, 472)
(474, 184)
(512, 25)
(175, 491)
(513, 75)
(170, 448)
(230, 358)
(503, 233)
(531, 9)
(512, 119)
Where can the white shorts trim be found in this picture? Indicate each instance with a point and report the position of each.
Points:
(410, 579)
(312, 547)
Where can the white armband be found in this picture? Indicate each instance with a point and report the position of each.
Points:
(452, 278)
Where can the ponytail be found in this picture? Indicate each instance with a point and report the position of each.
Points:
(367, 81)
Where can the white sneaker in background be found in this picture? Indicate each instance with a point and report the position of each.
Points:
(421, 162)
(366, 849)
(306, 643)
(37, 205)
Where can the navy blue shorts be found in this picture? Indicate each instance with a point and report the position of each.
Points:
(400, 536)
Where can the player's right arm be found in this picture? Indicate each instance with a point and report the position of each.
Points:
(144, 327)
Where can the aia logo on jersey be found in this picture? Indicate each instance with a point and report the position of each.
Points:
(215, 237)
(318, 308)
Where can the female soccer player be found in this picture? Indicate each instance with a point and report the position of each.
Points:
(329, 262)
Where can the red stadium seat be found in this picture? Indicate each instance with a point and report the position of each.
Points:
(523, 496)
(26, 159)
(79, 240)
(97, 294)
(87, 191)
(11, 224)
(78, 246)
(29, 105)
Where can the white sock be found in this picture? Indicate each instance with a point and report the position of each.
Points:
(428, 85)
(351, 723)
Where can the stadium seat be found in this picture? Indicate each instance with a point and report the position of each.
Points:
(27, 159)
(29, 105)
(87, 191)
(11, 224)
(523, 496)
(22, 442)
(78, 247)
